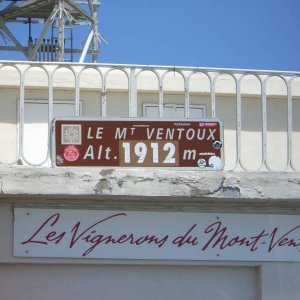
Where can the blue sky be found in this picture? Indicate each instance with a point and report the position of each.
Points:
(256, 34)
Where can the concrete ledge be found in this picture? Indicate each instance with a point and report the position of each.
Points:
(148, 183)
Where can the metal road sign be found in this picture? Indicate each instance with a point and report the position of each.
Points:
(138, 143)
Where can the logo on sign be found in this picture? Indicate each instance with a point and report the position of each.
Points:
(71, 134)
(71, 153)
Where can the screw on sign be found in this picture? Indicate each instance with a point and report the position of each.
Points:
(141, 143)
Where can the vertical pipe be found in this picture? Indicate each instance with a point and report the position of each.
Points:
(52, 44)
(29, 27)
(48, 50)
(36, 55)
(94, 13)
(61, 32)
(44, 49)
(40, 53)
(72, 58)
(30, 43)
(95, 38)
(56, 50)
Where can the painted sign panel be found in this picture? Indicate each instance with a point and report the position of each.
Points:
(155, 235)
(138, 143)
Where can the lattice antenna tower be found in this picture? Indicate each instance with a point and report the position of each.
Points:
(57, 18)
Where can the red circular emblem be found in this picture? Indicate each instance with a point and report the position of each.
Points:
(71, 153)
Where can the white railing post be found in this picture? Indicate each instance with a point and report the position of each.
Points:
(238, 121)
(21, 115)
(264, 124)
(290, 126)
(132, 94)
(77, 95)
(213, 97)
(104, 98)
(186, 98)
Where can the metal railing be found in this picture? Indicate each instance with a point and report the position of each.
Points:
(289, 99)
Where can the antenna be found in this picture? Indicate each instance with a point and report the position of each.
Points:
(58, 19)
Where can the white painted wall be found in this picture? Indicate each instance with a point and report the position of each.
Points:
(70, 282)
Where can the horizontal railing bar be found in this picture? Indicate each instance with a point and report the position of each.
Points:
(160, 67)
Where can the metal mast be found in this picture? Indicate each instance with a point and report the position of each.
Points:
(58, 19)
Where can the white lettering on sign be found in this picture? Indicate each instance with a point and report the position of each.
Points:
(98, 136)
(168, 133)
(155, 235)
(141, 150)
(121, 133)
(91, 152)
(159, 133)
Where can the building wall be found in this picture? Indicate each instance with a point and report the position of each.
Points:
(127, 282)
(36, 278)
(150, 190)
